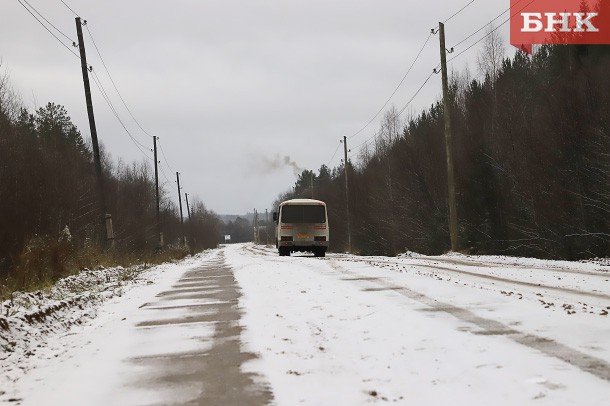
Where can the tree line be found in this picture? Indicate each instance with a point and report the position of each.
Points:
(532, 162)
(48, 188)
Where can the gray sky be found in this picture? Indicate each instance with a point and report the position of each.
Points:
(232, 87)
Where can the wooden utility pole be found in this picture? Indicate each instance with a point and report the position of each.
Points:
(106, 219)
(349, 231)
(188, 210)
(255, 221)
(266, 226)
(311, 184)
(180, 203)
(453, 223)
(159, 234)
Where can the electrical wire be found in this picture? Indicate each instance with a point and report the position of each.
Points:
(100, 86)
(456, 56)
(125, 103)
(69, 8)
(395, 90)
(47, 28)
(481, 29)
(95, 77)
(416, 93)
(490, 32)
(488, 24)
(113, 82)
(164, 175)
(97, 81)
(48, 22)
(335, 154)
(165, 157)
(459, 11)
(360, 146)
(433, 31)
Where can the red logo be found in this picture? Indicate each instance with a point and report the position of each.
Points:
(559, 22)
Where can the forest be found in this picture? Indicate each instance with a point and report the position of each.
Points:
(51, 220)
(531, 140)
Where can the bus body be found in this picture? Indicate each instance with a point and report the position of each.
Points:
(301, 226)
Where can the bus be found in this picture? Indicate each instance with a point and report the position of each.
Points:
(301, 225)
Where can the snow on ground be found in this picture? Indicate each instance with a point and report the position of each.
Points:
(46, 330)
(350, 330)
(450, 329)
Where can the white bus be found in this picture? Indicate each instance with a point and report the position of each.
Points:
(301, 226)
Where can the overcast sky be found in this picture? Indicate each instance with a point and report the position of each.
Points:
(231, 87)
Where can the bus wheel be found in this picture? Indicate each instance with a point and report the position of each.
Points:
(320, 253)
(284, 252)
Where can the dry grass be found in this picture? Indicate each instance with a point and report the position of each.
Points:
(45, 260)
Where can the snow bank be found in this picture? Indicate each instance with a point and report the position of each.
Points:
(28, 319)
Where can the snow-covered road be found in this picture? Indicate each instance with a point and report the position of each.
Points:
(240, 325)
(426, 330)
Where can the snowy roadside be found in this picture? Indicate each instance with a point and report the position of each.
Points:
(424, 330)
(340, 330)
(33, 325)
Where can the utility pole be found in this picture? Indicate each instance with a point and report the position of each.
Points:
(255, 221)
(159, 234)
(266, 226)
(188, 210)
(453, 223)
(180, 203)
(349, 231)
(312, 184)
(105, 218)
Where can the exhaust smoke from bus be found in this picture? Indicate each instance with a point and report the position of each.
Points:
(278, 162)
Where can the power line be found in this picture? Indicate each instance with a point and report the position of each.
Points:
(490, 32)
(459, 11)
(69, 8)
(50, 32)
(165, 176)
(402, 81)
(486, 25)
(400, 111)
(395, 90)
(377, 134)
(113, 82)
(335, 154)
(48, 22)
(100, 86)
(481, 29)
(114, 111)
(416, 93)
(124, 104)
(456, 56)
(164, 157)
(95, 77)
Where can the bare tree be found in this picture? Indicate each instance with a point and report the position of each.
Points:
(460, 81)
(491, 56)
(390, 129)
(10, 103)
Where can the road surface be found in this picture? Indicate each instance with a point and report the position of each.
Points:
(242, 326)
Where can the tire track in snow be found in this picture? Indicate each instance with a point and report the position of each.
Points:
(593, 365)
(472, 263)
(417, 262)
(453, 271)
(206, 296)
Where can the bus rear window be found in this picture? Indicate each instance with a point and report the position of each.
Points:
(303, 214)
